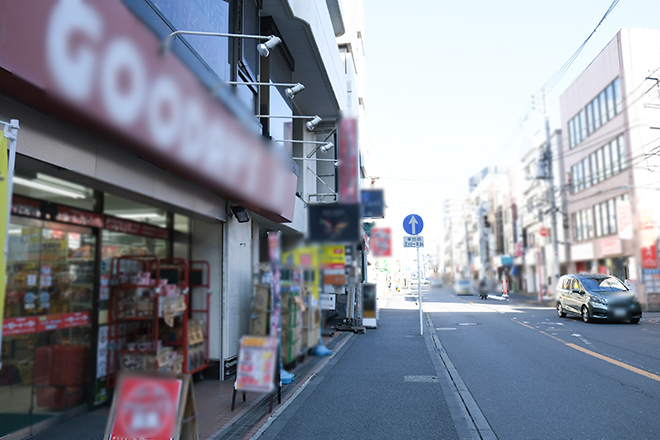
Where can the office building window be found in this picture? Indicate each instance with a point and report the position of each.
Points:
(605, 106)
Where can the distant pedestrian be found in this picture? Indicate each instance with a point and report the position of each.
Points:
(483, 289)
(505, 287)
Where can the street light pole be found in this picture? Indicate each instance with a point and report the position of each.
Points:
(551, 196)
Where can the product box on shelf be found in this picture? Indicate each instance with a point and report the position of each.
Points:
(133, 361)
(261, 301)
(196, 356)
(259, 323)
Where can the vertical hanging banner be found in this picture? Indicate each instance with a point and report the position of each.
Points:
(274, 254)
(7, 160)
(348, 161)
(4, 207)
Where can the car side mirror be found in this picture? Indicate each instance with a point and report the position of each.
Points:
(576, 291)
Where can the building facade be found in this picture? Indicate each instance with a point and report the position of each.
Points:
(136, 143)
(609, 118)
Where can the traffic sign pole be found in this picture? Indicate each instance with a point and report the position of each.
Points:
(419, 294)
(413, 225)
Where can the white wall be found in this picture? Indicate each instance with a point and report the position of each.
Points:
(237, 292)
(207, 246)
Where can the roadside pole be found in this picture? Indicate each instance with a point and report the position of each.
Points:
(413, 225)
(419, 294)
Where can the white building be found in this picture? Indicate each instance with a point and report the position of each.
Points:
(610, 117)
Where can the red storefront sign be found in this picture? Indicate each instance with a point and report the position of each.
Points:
(146, 408)
(97, 65)
(135, 228)
(19, 326)
(382, 242)
(649, 257)
(648, 239)
(78, 217)
(25, 207)
(348, 161)
(62, 320)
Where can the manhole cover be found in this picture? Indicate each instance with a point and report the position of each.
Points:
(420, 378)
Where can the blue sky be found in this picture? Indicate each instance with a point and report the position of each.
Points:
(448, 82)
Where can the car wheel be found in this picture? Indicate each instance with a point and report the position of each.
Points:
(560, 311)
(634, 320)
(585, 314)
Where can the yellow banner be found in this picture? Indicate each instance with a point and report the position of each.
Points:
(4, 211)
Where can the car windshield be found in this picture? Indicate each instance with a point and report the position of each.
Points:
(463, 282)
(603, 285)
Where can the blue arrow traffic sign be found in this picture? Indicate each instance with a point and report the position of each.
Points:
(413, 224)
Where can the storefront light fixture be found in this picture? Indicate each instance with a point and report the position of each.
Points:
(263, 48)
(140, 215)
(48, 188)
(323, 146)
(291, 89)
(240, 213)
(311, 124)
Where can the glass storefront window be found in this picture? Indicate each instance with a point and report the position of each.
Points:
(45, 352)
(135, 211)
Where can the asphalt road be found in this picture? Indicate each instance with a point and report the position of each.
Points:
(534, 375)
(497, 369)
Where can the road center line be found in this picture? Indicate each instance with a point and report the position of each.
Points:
(599, 356)
(617, 363)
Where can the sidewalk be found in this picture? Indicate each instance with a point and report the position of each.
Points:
(213, 404)
(386, 383)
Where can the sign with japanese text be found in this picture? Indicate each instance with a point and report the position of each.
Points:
(62, 320)
(256, 364)
(19, 326)
(414, 241)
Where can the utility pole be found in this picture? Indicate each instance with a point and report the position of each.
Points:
(551, 196)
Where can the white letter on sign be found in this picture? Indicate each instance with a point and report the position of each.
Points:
(73, 72)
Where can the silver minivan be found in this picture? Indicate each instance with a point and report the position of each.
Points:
(597, 297)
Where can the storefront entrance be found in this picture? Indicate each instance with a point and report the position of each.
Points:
(46, 330)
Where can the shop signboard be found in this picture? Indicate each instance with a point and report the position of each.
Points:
(610, 246)
(62, 320)
(256, 364)
(19, 326)
(373, 203)
(624, 219)
(79, 217)
(348, 160)
(648, 240)
(382, 242)
(26, 207)
(333, 264)
(145, 407)
(96, 64)
(334, 222)
(135, 228)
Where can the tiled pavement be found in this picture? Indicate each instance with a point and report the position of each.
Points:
(215, 420)
(213, 401)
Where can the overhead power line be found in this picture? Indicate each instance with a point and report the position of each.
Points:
(560, 73)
